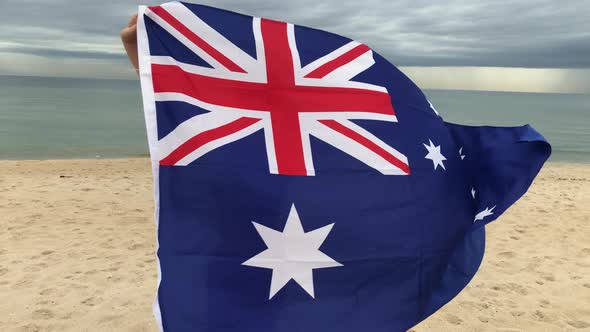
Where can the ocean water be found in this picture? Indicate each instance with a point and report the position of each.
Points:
(564, 119)
(45, 118)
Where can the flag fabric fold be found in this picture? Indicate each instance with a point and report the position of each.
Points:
(502, 164)
(303, 183)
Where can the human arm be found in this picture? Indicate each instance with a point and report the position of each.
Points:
(129, 39)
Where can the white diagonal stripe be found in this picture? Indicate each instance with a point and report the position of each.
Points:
(357, 150)
(360, 130)
(211, 36)
(185, 41)
(175, 96)
(327, 58)
(192, 127)
(219, 143)
(206, 71)
(342, 75)
(353, 68)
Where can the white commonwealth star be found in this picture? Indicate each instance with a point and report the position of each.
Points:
(484, 213)
(292, 254)
(435, 155)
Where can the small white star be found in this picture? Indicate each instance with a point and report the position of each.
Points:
(435, 155)
(432, 107)
(292, 254)
(484, 213)
(473, 192)
(461, 153)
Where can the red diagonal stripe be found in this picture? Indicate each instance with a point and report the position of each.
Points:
(334, 125)
(183, 29)
(205, 137)
(340, 61)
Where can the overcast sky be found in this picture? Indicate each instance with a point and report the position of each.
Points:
(514, 45)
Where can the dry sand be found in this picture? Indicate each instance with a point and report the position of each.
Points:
(77, 253)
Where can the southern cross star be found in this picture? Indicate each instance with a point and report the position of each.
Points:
(435, 155)
(292, 254)
(484, 213)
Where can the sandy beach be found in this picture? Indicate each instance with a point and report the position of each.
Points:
(78, 240)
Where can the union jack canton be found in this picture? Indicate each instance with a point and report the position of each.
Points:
(272, 92)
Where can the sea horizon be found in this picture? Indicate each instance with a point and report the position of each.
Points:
(43, 118)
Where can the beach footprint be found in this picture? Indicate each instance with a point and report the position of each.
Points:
(30, 328)
(578, 324)
(43, 314)
(455, 320)
(542, 316)
(507, 254)
(92, 301)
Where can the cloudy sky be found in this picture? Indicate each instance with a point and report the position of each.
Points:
(509, 45)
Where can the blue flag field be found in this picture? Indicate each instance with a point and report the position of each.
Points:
(304, 183)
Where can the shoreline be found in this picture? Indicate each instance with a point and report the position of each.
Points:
(78, 252)
(146, 156)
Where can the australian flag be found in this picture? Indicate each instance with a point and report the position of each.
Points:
(303, 183)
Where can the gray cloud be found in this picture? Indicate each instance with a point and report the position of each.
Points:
(507, 33)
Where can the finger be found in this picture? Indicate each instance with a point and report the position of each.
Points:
(128, 34)
(132, 21)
